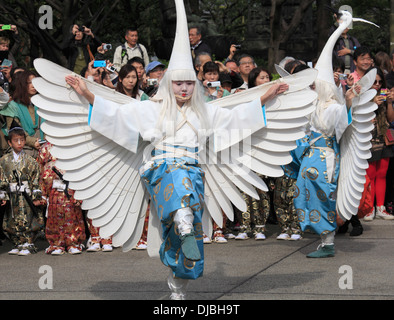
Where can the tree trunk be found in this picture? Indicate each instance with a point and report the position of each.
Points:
(392, 26)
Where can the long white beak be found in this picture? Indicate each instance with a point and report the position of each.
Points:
(365, 21)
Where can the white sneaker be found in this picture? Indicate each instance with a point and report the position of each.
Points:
(370, 216)
(107, 248)
(206, 239)
(283, 236)
(295, 237)
(218, 238)
(141, 245)
(259, 236)
(14, 251)
(24, 252)
(242, 236)
(94, 247)
(382, 213)
(229, 236)
(74, 250)
(57, 252)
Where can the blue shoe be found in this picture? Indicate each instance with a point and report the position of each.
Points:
(323, 251)
(189, 247)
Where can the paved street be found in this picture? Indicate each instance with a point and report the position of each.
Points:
(238, 270)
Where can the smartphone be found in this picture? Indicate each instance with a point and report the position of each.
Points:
(383, 93)
(6, 63)
(42, 141)
(99, 63)
(6, 27)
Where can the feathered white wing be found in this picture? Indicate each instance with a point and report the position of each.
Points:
(264, 152)
(355, 150)
(103, 174)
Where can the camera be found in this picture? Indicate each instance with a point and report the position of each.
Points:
(152, 82)
(6, 27)
(342, 76)
(238, 46)
(213, 84)
(107, 46)
(99, 64)
(111, 68)
(81, 28)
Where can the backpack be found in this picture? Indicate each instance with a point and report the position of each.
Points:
(124, 52)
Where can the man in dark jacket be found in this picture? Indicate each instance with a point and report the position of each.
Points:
(196, 44)
(80, 48)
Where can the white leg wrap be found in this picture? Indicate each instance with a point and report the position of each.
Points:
(183, 219)
(177, 286)
(328, 238)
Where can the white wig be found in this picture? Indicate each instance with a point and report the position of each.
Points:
(165, 95)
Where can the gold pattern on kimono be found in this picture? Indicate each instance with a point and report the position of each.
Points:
(198, 232)
(312, 173)
(325, 232)
(160, 209)
(177, 255)
(168, 191)
(196, 207)
(189, 264)
(323, 155)
(331, 216)
(303, 172)
(156, 189)
(296, 192)
(300, 214)
(168, 245)
(187, 183)
(310, 153)
(314, 216)
(185, 202)
(307, 194)
(321, 195)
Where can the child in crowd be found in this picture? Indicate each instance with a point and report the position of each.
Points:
(65, 228)
(19, 183)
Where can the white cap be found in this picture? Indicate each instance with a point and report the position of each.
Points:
(181, 58)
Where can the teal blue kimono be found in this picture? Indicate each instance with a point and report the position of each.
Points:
(175, 183)
(315, 194)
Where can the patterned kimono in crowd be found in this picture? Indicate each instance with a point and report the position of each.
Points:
(65, 225)
(316, 165)
(20, 224)
(254, 219)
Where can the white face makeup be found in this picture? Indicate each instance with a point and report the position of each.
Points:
(183, 90)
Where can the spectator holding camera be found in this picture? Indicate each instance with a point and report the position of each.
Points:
(130, 49)
(154, 73)
(5, 51)
(212, 85)
(81, 47)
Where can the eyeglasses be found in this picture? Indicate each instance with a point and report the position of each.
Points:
(378, 82)
(246, 62)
